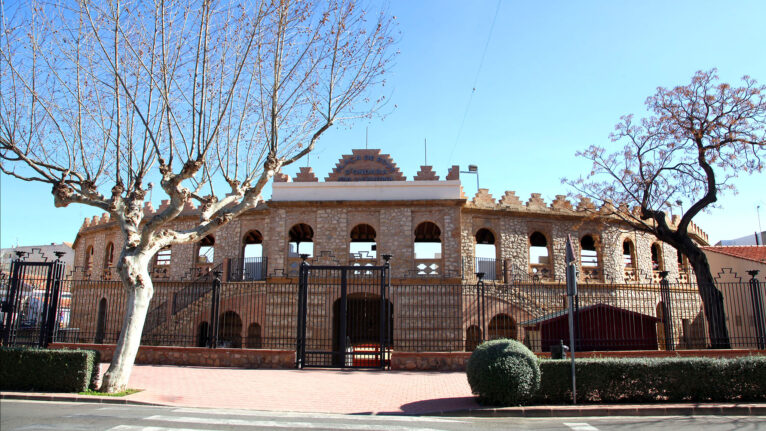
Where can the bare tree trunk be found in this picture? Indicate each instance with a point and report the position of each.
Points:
(134, 272)
(712, 299)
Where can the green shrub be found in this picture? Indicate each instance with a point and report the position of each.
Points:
(614, 380)
(503, 372)
(47, 370)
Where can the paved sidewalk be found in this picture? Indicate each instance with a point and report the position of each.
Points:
(327, 391)
(350, 392)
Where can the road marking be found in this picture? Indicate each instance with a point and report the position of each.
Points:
(143, 428)
(275, 424)
(350, 417)
(580, 426)
(45, 427)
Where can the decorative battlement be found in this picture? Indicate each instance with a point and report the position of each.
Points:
(371, 175)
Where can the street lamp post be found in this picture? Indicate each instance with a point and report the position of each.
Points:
(473, 169)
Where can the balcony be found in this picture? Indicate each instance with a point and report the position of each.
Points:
(248, 269)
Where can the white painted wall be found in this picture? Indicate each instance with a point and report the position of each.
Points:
(366, 190)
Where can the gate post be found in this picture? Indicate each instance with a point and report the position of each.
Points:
(51, 323)
(343, 311)
(480, 306)
(667, 311)
(755, 295)
(215, 300)
(384, 310)
(300, 336)
(10, 306)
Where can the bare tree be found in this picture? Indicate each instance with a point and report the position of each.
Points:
(100, 97)
(699, 138)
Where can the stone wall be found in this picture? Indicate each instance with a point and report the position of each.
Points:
(394, 222)
(197, 356)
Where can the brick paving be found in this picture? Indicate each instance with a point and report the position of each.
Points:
(328, 391)
(351, 392)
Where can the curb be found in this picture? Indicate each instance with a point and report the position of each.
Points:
(74, 398)
(711, 409)
(613, 410)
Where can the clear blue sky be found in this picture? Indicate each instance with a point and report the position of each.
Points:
(556, 78)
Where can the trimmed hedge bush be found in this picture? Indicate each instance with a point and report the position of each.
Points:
(47, 370)
(613, 380)
(503, 372)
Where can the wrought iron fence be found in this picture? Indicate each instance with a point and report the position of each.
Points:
(248, 269)
(425, 317)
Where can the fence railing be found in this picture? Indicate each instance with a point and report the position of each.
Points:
(425, 317)
(248, 269)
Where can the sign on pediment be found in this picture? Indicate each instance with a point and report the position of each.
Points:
(366, 165)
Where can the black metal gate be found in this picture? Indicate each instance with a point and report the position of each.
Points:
(30, 303)
(345, 317)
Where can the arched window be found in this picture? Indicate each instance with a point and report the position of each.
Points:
(88, 259)
(253, 264)
(203, 335)
(162, 258)
(253, 336)
(428, 243)
(539, 255)
(363, 248)
(683, 266)
(588, 254)
(502, 326)
(109, 255)
(472, 338)
(252, 245)
(629, 260)
(301, 240)
(230, 333)
(661, 335)
(657, 263)
(486, 254)
(100, 322)
(428, 249)
(206, 250)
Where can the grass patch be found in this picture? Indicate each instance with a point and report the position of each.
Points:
(124, 393)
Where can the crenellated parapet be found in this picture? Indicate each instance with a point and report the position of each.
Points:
(366, 188)
(484, 199)
(426, 173)
(306, 175)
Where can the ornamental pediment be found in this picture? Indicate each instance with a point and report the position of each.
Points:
(366, 165)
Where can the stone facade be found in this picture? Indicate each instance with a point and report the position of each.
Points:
(332, 218)
(427, 303)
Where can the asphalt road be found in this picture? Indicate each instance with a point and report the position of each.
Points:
(38, 415)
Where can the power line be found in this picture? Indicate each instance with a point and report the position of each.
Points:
(475, 81)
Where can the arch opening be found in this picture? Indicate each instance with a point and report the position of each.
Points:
(629, 260)
(252, 245)
(109, 255)
(363, 322)
(657, 263)
(206, 250)
(427, 248)
(89, 259)
(363, 246)
(539, 255)
(230, 330)
(254, 340)
(301, 241)
(502, 326)
(472, 338)
(203, 334)
(588, 253)
(101, 321)
(485, 254)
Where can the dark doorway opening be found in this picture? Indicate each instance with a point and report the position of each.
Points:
(363, 324)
